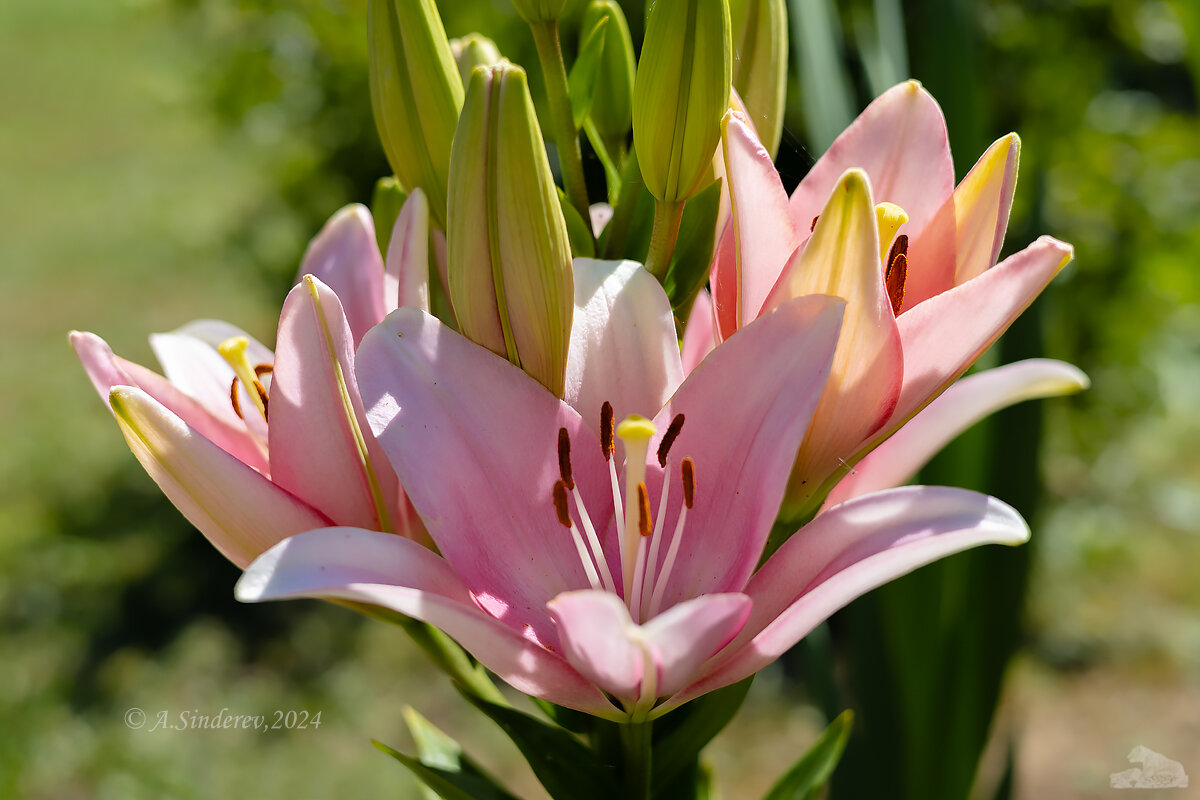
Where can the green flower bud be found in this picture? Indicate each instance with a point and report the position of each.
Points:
(612, 99)
(416, 94)
(510, 275)
(535, 11)
(680, 94)
(474, 50)
(760, 42)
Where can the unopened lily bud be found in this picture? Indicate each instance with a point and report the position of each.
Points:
(474, 50)
(680, 94)
(612, 100)
(535, 11)
(416, 94)
(510, 273)
(760, 46)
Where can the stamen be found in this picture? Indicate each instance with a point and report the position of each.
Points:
(813, 227)
(606, 430)
(643, 510)
(263, 369)
(564, 517)
(262, 398)
(899, 247)
(668, 439)
(594, 543)
(560, 504)
(894, 278)
(564, 458)
(687, 472)
(233, 350)
(646, 587)
(233, 398)
(635, 432)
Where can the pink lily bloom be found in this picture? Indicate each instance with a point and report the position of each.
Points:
(598, 559)
(879, 222)
(254, 446)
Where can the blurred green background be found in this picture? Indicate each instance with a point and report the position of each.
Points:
(162, 161)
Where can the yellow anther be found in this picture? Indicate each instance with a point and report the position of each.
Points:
(233, 350)
(889, 217)
(635, 428)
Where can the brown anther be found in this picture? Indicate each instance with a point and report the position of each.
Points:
(668, 439)
(564, 459)
(643, 510)
(263, 369)
(813, 227)
(233, 398)
(894, 278)
(560, 504)
(687, 473)
(606, 430)
(899, 247)
(262, 395)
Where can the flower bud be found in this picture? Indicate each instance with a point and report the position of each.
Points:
(510, 275)
(535, 11)
(612, 99)
(760, 44)
(680, 94)
(474, 50)
(416, 94)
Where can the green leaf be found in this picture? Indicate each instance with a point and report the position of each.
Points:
(581, 85)
(828, 99)
(386, 202)
(612, 175)
(566, 767)
(465, 782)
(579, 230)
(693, 255)
(692, 727)
(572, 720)
(809, 775)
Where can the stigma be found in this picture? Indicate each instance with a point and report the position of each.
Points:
(249, 375)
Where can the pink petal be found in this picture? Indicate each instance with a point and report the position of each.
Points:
(108, 371)
(967, 401)
(239, 511)
(699, 338)
(945, 334)
(320, 445)
(474, 441)
(345, 257)
(623, 344)
(900, 141)
(763, 235)
(688, 634)
(746, 409)
(396, 574)
(845, 553)
(406, 278)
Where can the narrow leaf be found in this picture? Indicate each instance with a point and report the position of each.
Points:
(448, 783)
(693, 255)
(579, 230)
(581, 85)
(824, 84)
(693, 727)
(814, 769)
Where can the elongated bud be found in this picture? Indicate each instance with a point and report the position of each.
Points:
(509, 256)
(416, 94)
(474, 50)
(680, 94)
(760, 47)
(535, 11)
(612, 100)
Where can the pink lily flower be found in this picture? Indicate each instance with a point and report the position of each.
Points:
(254, 446)
(879, 222)
(609, 565)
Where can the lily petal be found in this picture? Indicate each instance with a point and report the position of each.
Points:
(107, 371)
(845, 553)
(967, 401)
(473, 440)
(345, 257)
(900, 141)
(190, 361)
(699, 338)
(688, 634)
(396, 574)
(623, 344)
(762, 236)
(239, 511)
(842, 259)
(945, 334)
(320, 445)
(406, 277)
(743, 442)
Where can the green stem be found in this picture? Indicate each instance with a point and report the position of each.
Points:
(667, 216)
(636, 748)
(562, 123)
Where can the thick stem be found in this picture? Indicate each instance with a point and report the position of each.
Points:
(562, 123)
(636, 750)
(662, 241)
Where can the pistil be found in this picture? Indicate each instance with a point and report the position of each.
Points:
(234, 351)
(635, 432)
